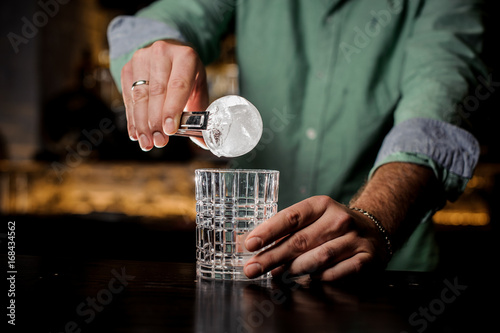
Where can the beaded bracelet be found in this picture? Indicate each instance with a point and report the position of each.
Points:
(382, 230)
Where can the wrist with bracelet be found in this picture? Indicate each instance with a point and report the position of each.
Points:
(379, 226)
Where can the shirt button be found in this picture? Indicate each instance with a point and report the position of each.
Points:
(311, 133)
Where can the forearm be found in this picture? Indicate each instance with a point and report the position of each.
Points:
(399, 195)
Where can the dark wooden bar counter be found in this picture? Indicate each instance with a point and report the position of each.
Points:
(80, 285)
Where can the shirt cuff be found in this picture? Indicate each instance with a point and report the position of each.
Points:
(451, 152)
(126, 34)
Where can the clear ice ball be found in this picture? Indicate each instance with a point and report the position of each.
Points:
(234, 126)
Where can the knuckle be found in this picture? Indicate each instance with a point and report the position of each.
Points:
(325, 254)
(139, 95)
(157, 88)
(344, 221)
(140, 54)
(154, 124)
(323, 199)
(299, 242)
(159, 47)
(188, 52)
(179, 83)
(292, 218)
(356, 264)
(126, 69)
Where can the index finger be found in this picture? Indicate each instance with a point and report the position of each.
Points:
(180, 85)
(126, 83)
(285, 222)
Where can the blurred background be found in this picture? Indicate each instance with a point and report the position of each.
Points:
(76, 184)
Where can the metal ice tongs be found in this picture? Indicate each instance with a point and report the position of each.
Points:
(192, 123)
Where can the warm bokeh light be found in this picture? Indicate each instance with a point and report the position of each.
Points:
(162, 190)
(461, 218)
(472, 208)
(158, 190)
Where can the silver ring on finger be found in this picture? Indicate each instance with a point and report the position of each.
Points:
(139, 83)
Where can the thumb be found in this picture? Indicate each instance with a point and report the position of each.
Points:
(198, 100)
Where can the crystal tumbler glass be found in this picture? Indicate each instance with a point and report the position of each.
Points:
(229, 204)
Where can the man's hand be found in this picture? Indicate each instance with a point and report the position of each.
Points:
(177, 81)
(317, 236)
(321, 237)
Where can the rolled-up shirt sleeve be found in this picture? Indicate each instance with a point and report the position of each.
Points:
(451, 152)
(126, 34)
(442, 67)
(200, 23)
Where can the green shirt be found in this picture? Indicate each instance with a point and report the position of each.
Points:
(342, 86)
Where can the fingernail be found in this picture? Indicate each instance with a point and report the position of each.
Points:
(253, 270)
(278, 271)
(159, 140)
(132, 134)
(144, 142)
(169, 127)
(253, 244)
